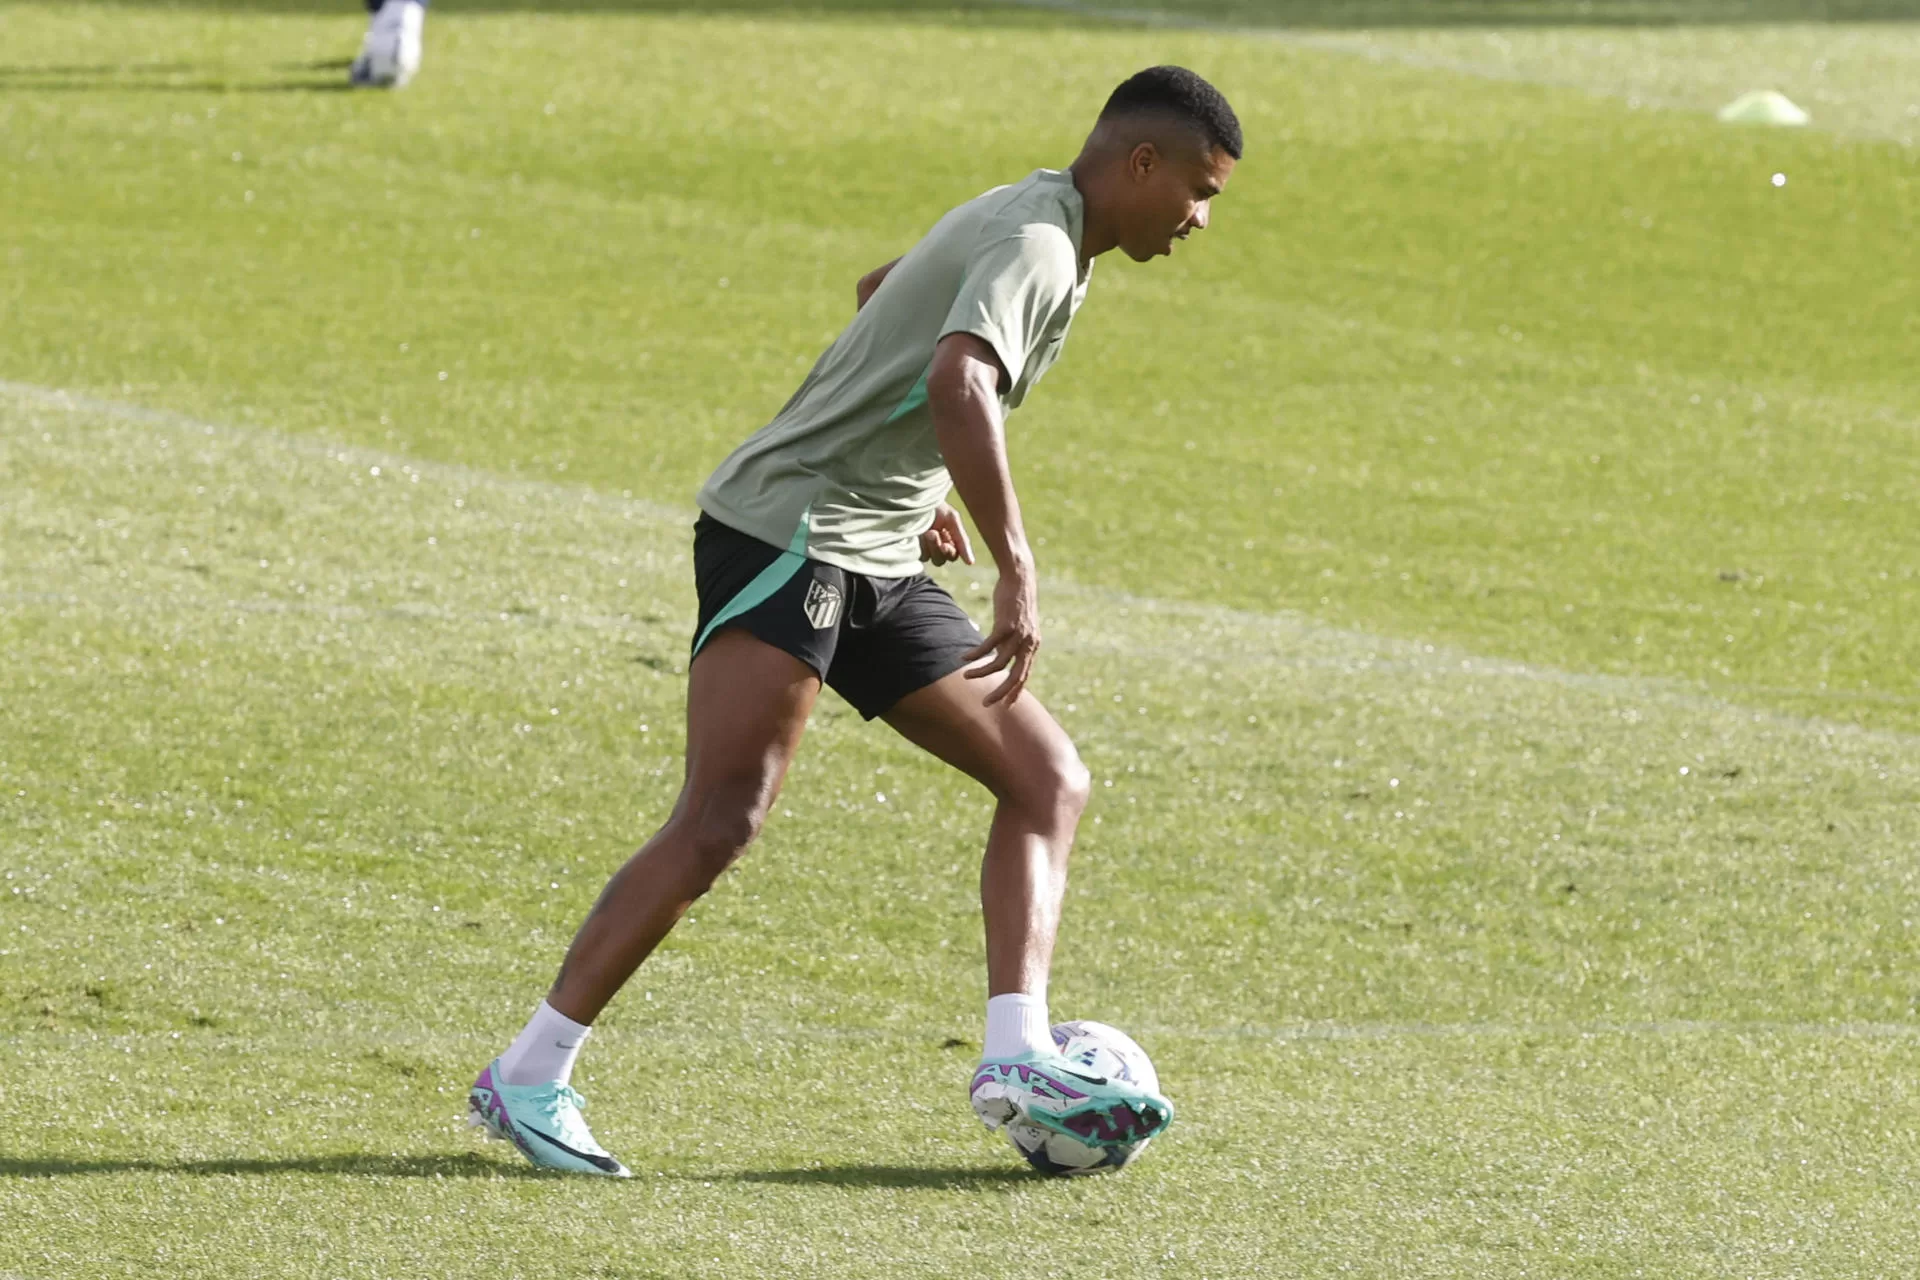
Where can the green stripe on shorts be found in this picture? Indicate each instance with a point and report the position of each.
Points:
(764, 584)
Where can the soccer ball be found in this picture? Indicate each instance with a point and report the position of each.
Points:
(1102, 1050)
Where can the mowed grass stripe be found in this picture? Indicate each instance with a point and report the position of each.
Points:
(776, 1031)
(1191, 630)
(1851, 71)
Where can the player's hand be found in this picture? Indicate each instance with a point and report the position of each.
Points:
(946, 541)
(1015, 641)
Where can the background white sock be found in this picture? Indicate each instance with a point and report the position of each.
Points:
(1017, 1025)
(545, 1050)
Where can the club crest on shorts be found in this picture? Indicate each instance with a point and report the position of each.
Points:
(823, 604)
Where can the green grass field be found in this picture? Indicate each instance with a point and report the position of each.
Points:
(1482, 572)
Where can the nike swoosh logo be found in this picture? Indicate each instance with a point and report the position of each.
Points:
(1089, 1079)
(607, 1163)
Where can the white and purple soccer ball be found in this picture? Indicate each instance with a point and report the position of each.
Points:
(1101, 1050)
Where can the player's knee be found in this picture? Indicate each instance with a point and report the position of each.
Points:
(722, 825)
(1075, 783)
(1057, 786)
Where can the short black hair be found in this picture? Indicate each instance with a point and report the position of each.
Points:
(1176, 91)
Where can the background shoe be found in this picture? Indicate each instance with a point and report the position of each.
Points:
(390, 54)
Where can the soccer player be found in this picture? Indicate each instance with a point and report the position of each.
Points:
(390, 53)
(807, 560)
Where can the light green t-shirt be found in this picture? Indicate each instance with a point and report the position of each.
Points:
(853, 453)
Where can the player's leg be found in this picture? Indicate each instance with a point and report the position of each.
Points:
(1020, 753)
(1025, 759)
(390, 52)
(747, 705)
(904, 664)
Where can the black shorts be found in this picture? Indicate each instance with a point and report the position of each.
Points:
(872, 640)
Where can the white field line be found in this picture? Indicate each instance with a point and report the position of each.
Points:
(1270, 639)
(1303, 1033)
(412, 612)
(1356, 46)
(1349, 46)
(320, 450)
(1674, 1029)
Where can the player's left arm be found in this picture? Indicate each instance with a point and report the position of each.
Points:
(870, 282)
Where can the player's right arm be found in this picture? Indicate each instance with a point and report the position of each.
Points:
(963, 393)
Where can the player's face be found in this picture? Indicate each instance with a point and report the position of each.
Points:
(1173, 192)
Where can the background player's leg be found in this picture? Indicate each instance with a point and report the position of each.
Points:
(747, 705)
(1022, 755)
(390, 53)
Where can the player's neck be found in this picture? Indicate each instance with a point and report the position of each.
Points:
(1096, 237)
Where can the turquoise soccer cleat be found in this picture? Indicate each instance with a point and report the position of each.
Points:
(1050, 1091)
(543, 1120)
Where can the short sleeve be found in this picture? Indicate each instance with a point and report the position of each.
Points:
(1013, 288)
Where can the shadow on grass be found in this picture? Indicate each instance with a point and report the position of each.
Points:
(882, 1175)
(116, 84)
(474, 1165)
(140, 77)
(467, 1165)
(93, 69)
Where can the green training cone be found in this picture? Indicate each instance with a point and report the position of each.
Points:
(1763, 106)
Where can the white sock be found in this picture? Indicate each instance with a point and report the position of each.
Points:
(1017, 1025)
(545, 1050)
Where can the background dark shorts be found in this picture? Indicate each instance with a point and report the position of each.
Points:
(872, 640)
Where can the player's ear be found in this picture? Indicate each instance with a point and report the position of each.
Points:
(1142, 161)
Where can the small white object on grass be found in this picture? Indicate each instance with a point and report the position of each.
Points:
(1763, 106)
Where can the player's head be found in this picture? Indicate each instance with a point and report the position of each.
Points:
(1163, 147)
